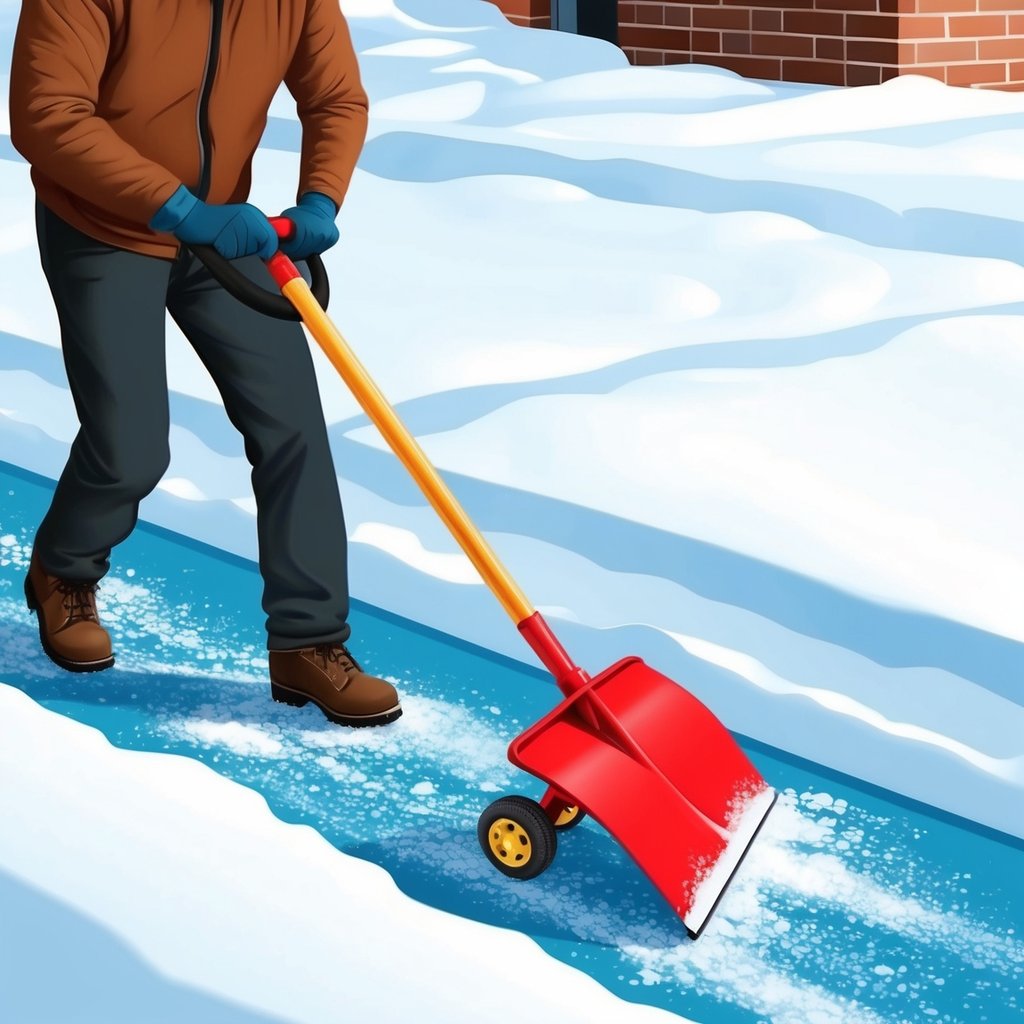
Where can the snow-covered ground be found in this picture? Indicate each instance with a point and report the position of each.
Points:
(728, 371)
(207, 908)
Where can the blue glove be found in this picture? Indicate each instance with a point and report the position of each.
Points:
(234, 230)
(315, 231)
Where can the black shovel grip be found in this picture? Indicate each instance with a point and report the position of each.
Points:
(253, 295)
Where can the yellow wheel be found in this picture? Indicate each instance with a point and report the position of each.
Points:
(517, 837)
(569, 818)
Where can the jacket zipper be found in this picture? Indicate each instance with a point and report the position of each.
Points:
(205, 88)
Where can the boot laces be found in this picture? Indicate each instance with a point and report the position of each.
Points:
(79, 601)
(337, 654)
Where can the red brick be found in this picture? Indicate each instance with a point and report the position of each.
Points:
(906, 6)
(650, 14)
(830, 49)
(889, 73)
(1001, 49)
(818, 71)
(1016, 26)
(936, 71)
(706, 42)
(871, 51)
(977, 25)
(627, 13)
(1004, 86)
(525, 8)
(721, 17)
(863, 74)
(813, 23)
(648, 57)
(782, 46)
(843, 5)
(680, 43)
(735, 42)
(947, 6)
(653, 37)
(1016, 70)
(750, 67)
(916, 26)
(786, 5)
(998, 5)
(934, 53)
(873, 26)
(677, 15)
(766, 21)
(968, 74)
(906, 54)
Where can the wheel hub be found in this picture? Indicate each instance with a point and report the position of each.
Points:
(567, 815)
(510, 842)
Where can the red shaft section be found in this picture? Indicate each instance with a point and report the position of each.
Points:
(282, 270)
(537, 633)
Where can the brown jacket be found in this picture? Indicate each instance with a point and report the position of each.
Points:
(108, 106)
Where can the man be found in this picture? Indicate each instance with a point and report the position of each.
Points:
(140, 122)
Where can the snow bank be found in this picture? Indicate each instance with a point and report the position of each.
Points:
(889, 473)
(195, 874)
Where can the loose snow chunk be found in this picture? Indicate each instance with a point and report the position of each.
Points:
(240, 739)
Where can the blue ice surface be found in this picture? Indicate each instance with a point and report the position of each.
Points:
(927, 909)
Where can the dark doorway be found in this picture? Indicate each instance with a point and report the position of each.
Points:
(597, 18)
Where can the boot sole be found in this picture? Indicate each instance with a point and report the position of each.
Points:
(57, 659)
(298, 700)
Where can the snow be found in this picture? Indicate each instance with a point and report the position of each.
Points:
(445, 103)
(751, 474)
(1010, 768)
(713, 883)
(908, 101)
(778, 323)
(418, 48)
(406, 546)
(195, 876)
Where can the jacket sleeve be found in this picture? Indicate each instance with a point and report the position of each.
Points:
(60, 52)
(332, 106)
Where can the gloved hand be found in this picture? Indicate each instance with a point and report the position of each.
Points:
(234, 230)
(315, 231)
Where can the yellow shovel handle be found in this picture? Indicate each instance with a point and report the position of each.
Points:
(405, 446)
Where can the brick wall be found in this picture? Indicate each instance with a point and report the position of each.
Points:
(978, 43)
(833, 42)
(531, 13)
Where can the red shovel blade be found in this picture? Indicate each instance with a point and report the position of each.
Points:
(662, 775)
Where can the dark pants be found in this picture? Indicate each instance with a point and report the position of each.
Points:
(110, 303)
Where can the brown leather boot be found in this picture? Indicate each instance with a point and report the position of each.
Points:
(330, 677)
(69, 623)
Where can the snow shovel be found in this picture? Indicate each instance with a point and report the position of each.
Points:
(628, 747)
